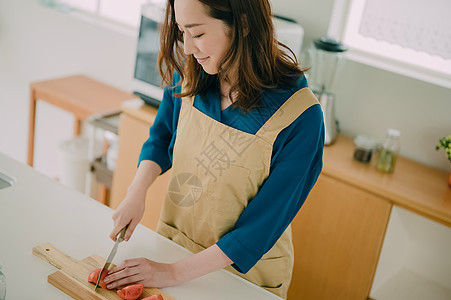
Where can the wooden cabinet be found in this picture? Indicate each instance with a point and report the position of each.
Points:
(337, 237)
(340, 231)
(135, 122)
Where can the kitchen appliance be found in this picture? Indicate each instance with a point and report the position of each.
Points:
(147, 81)
(326, 56)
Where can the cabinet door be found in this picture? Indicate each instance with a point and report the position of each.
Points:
(132, 134)
(337, 237)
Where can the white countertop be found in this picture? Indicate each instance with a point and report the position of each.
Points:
(36, 209)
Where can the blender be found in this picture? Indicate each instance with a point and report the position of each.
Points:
(326, 56)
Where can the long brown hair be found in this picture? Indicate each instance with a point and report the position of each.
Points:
(254, 49)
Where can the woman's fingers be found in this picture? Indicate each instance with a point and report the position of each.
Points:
(141, 270)
(128, 233)
(129, 212)
(124, 281)
(118, 225)
(127, 281)
(115, 231)
(128, 263)
(128, 272)
(130, 229)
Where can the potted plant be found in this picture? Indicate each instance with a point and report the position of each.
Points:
(445, 143)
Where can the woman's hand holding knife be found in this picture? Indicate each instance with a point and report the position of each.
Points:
(131, 209)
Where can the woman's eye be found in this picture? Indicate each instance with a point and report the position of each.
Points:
(197, 36)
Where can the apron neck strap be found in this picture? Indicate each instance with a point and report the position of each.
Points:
(287, 114)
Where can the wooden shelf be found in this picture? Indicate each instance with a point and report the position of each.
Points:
(414, 186)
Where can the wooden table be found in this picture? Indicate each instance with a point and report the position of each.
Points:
(78, 94)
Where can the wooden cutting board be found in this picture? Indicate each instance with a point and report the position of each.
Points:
(72, 275)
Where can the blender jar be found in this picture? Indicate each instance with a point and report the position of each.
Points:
(326, 57)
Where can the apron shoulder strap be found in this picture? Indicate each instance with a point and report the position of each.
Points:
(287, 114)
(189, 100)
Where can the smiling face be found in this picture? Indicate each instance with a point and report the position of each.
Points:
(204, 37)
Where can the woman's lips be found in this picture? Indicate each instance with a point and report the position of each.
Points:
(202, 60)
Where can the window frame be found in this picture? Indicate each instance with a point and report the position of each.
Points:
(94, 13)
(343, 23)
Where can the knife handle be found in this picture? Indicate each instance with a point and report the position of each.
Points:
(122, 233)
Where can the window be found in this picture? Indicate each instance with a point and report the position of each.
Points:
(126, 12)
(411, 37)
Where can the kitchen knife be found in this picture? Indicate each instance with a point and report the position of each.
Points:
(109, 260)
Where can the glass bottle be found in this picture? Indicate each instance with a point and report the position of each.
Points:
(389, 152)
(2, 283)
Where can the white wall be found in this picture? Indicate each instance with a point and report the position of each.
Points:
(38, 44)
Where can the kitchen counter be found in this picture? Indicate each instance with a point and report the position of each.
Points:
(37, 209)
(414, 186)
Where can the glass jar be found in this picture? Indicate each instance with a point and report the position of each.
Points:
(364, 148)
(2, 283)
(389, 152)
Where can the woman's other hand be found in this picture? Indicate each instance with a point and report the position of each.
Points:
(159, 275)
(141, 270)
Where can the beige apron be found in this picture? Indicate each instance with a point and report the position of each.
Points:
(216, 171)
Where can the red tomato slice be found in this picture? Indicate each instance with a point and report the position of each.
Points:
(131, 292)
(92, 278)
(154, 297)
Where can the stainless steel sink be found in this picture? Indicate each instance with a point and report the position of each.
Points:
(5, 181)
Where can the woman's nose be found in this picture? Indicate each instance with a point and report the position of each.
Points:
(188, 44)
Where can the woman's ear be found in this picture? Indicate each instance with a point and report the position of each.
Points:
(245, 25)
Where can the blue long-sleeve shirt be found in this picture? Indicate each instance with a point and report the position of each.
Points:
(295, 166)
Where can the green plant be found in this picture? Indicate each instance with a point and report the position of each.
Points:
(446, 144)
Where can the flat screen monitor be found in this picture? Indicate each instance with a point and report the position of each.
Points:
(147, 79)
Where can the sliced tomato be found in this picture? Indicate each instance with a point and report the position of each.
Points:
(131, 292)
(154, 297)
(92, 278)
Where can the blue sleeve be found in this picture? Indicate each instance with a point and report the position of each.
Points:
(158, 147)
(295, 167)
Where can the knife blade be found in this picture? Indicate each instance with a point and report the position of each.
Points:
(109, 260)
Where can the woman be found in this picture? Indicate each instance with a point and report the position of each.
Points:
(244, 139)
